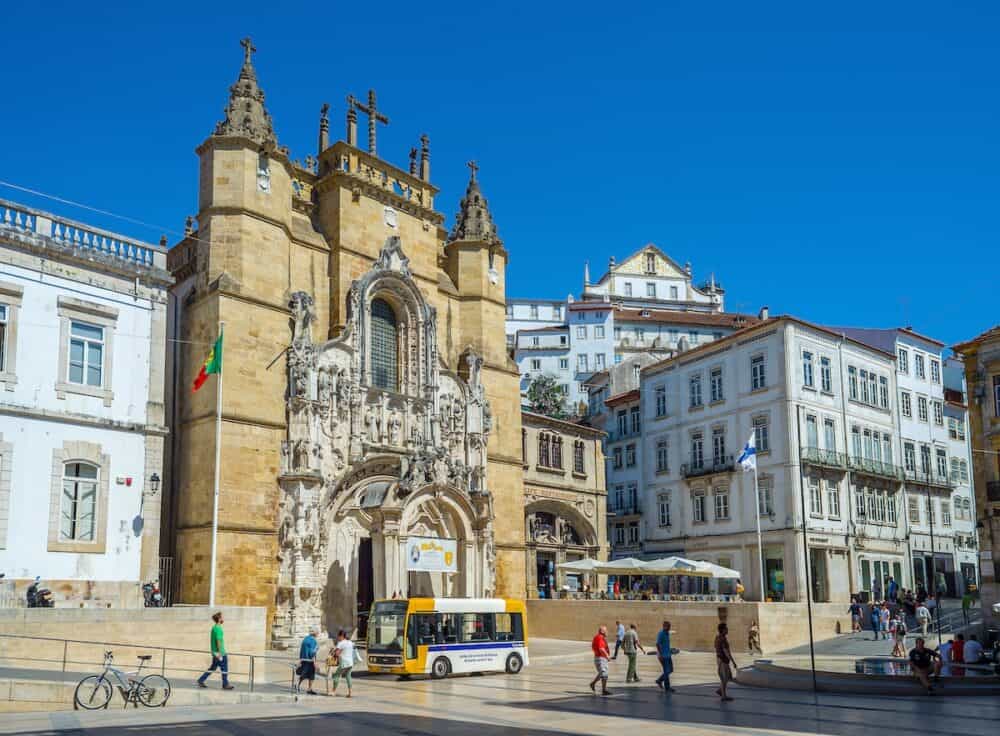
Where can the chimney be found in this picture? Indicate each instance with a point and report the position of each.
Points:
(764, 313)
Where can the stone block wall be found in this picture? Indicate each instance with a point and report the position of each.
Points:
(694, 624)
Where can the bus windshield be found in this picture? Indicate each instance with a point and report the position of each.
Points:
(385, 627)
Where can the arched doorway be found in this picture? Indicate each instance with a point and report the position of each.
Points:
(557, 532)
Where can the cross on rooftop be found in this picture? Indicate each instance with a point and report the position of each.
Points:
(374, 116)
(248, 48)
(473, 167)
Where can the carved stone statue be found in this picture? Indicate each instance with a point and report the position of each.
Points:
(301, 455)
(303, 315)
(395, 424)
(324, 387)
(285, 459)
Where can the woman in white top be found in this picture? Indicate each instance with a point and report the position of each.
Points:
(345, 661)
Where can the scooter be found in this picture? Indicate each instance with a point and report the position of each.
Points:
(39, 597)
(151, 595)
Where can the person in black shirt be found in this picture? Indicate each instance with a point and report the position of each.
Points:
(922, 662)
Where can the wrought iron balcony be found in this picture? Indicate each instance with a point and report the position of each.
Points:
(722, 465)
(824, 458)
(928, 479)
(873, 467)
(993, 490)
(625, 510)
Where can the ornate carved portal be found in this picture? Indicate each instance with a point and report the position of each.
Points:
(364, 466)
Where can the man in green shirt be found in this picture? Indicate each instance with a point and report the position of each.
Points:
(631, 646)
(220, 659)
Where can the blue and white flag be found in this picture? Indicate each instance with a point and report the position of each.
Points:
(748, 458)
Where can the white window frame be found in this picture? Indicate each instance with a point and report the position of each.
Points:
(808, 374)
(717, 387)
(833, 498)
(906, 403)
(694, 391)
(698, 507)
(938, 412)
(674, 293)
(661, 401)
(922, 409)
(903, 360)
(663, 509)
(720, 498)
(815, 496)
(935, 370)
(651, 289)
(536, 364)
(79, 452)
(581, 332)
(11, 297)
(758, 372)
(99, 315)
(761, 425)
(564, 364)
(598, 332)
(825, 375)
(919, 369)
(765, 499)
(662, 456)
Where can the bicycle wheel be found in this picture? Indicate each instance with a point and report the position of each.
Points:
(153, 691)
(93, 693)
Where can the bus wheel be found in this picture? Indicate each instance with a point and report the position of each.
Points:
(514, 664)
(440, 668)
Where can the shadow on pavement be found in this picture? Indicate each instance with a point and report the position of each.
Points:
(783, 710)
(356, 723)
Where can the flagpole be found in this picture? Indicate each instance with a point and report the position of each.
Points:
(218, 454)
(760, 543)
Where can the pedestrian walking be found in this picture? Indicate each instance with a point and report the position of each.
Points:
(893, 588)
(899, 636)
(855, 611)
(619, 636)
(632, 646)
(923, 617)
(753, 638)
(220, 659)
(344, 654)
(601, 656)
(966, 606)
(883, 620)
(664, 653)
(874, 617)
(307, 659)
(723, 658)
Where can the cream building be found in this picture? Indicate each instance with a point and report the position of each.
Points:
(368, 399)
(565, 502)
(981, 356)
(82, 337)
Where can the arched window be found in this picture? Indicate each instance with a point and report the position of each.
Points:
(385, 346)
(543, 450)
(78, 508)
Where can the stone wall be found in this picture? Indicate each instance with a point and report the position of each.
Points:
(782, 625)
(183, 631)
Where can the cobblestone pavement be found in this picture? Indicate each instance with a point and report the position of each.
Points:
(546, 699)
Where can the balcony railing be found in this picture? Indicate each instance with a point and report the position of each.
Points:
(625, 510)
(874, 467)
(928, 479)
(826, 458)
(17, 218)
(993, 490)
(721, 465)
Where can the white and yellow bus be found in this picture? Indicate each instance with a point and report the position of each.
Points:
(442, 636)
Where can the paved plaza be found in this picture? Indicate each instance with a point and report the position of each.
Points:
(545, 699)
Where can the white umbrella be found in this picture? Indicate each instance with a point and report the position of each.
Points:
(624, 566)
(672, 566)
(717, 571)
(585, 565)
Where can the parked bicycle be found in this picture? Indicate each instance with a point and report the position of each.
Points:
(94, 691)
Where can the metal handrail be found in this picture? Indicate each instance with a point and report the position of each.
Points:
(829, 458)
(726, 465)
(250, 673)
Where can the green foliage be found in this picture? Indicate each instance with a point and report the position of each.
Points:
(546, 397)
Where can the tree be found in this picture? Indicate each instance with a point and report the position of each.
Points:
(547, 397)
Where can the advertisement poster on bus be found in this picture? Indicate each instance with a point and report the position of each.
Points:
(427, 554)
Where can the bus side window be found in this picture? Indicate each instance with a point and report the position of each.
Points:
(516, 627)
(412, 632)
(449, 629)
(476, 627)
(504, 627)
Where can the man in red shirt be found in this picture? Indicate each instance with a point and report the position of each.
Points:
(601, 655)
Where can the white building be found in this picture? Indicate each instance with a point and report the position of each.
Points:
(956, 417)
(939, 498)
(82, 340)
(647, 303)
(821, 407)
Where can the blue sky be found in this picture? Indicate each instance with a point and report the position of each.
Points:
(837, 164)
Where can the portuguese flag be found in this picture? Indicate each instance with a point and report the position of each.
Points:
(213, 364)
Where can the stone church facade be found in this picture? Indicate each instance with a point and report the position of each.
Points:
(367, 396)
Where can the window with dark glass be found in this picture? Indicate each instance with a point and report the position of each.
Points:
(385, 351)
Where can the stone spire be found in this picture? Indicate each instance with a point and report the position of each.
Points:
(474, 221)
(245, 113)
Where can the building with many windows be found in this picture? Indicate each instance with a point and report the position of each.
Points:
(647, 303)
(938, 501)
(565, 504)
(981, 358)
(82, 340)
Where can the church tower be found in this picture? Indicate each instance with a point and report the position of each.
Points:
(367, 399)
